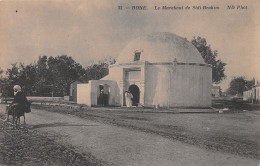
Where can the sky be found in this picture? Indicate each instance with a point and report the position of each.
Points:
(94, 30)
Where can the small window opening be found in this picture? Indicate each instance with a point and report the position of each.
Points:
(137, 55)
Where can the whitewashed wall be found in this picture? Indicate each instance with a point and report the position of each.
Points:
(180, 86)
(88, 93)
(258, 93)
(84, 94)
(247, 95)
(114, 96)
(252, 95)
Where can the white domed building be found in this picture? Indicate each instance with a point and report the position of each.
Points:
(160, 69)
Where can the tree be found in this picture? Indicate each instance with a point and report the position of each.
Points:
(43, 77)
(50, 75)
(23, 75)
(27, 78)
(3, 84)
(239, 84)
(63, 71)
(13, 74)
(1, 73)
(12, 78)
(210, 57)
(98, 70)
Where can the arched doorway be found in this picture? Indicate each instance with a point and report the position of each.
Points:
(136, 94)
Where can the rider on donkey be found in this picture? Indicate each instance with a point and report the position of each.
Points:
(20, 100)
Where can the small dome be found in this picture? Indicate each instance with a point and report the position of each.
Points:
(160, 47)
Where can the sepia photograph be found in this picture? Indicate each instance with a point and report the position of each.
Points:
(130, 83)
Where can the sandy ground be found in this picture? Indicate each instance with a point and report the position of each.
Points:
(124, 147)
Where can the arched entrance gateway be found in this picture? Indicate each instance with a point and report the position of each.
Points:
(136, 94)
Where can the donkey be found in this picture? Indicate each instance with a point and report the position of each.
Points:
(17, 111)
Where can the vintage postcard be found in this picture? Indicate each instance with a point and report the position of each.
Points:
(129, 82)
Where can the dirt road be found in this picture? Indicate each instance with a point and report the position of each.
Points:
(122, 146)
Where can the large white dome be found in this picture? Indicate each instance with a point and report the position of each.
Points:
(161, 47)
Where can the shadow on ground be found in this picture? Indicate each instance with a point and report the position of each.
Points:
(54, 125)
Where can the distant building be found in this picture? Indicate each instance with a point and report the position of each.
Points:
(252, 95)
(247, 95)
(160, 69)
(256, 93)
(216, 91)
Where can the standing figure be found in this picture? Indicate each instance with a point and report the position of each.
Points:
(101, 99)
(128, 98)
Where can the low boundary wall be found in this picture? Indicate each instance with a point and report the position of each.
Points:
(50, 99)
